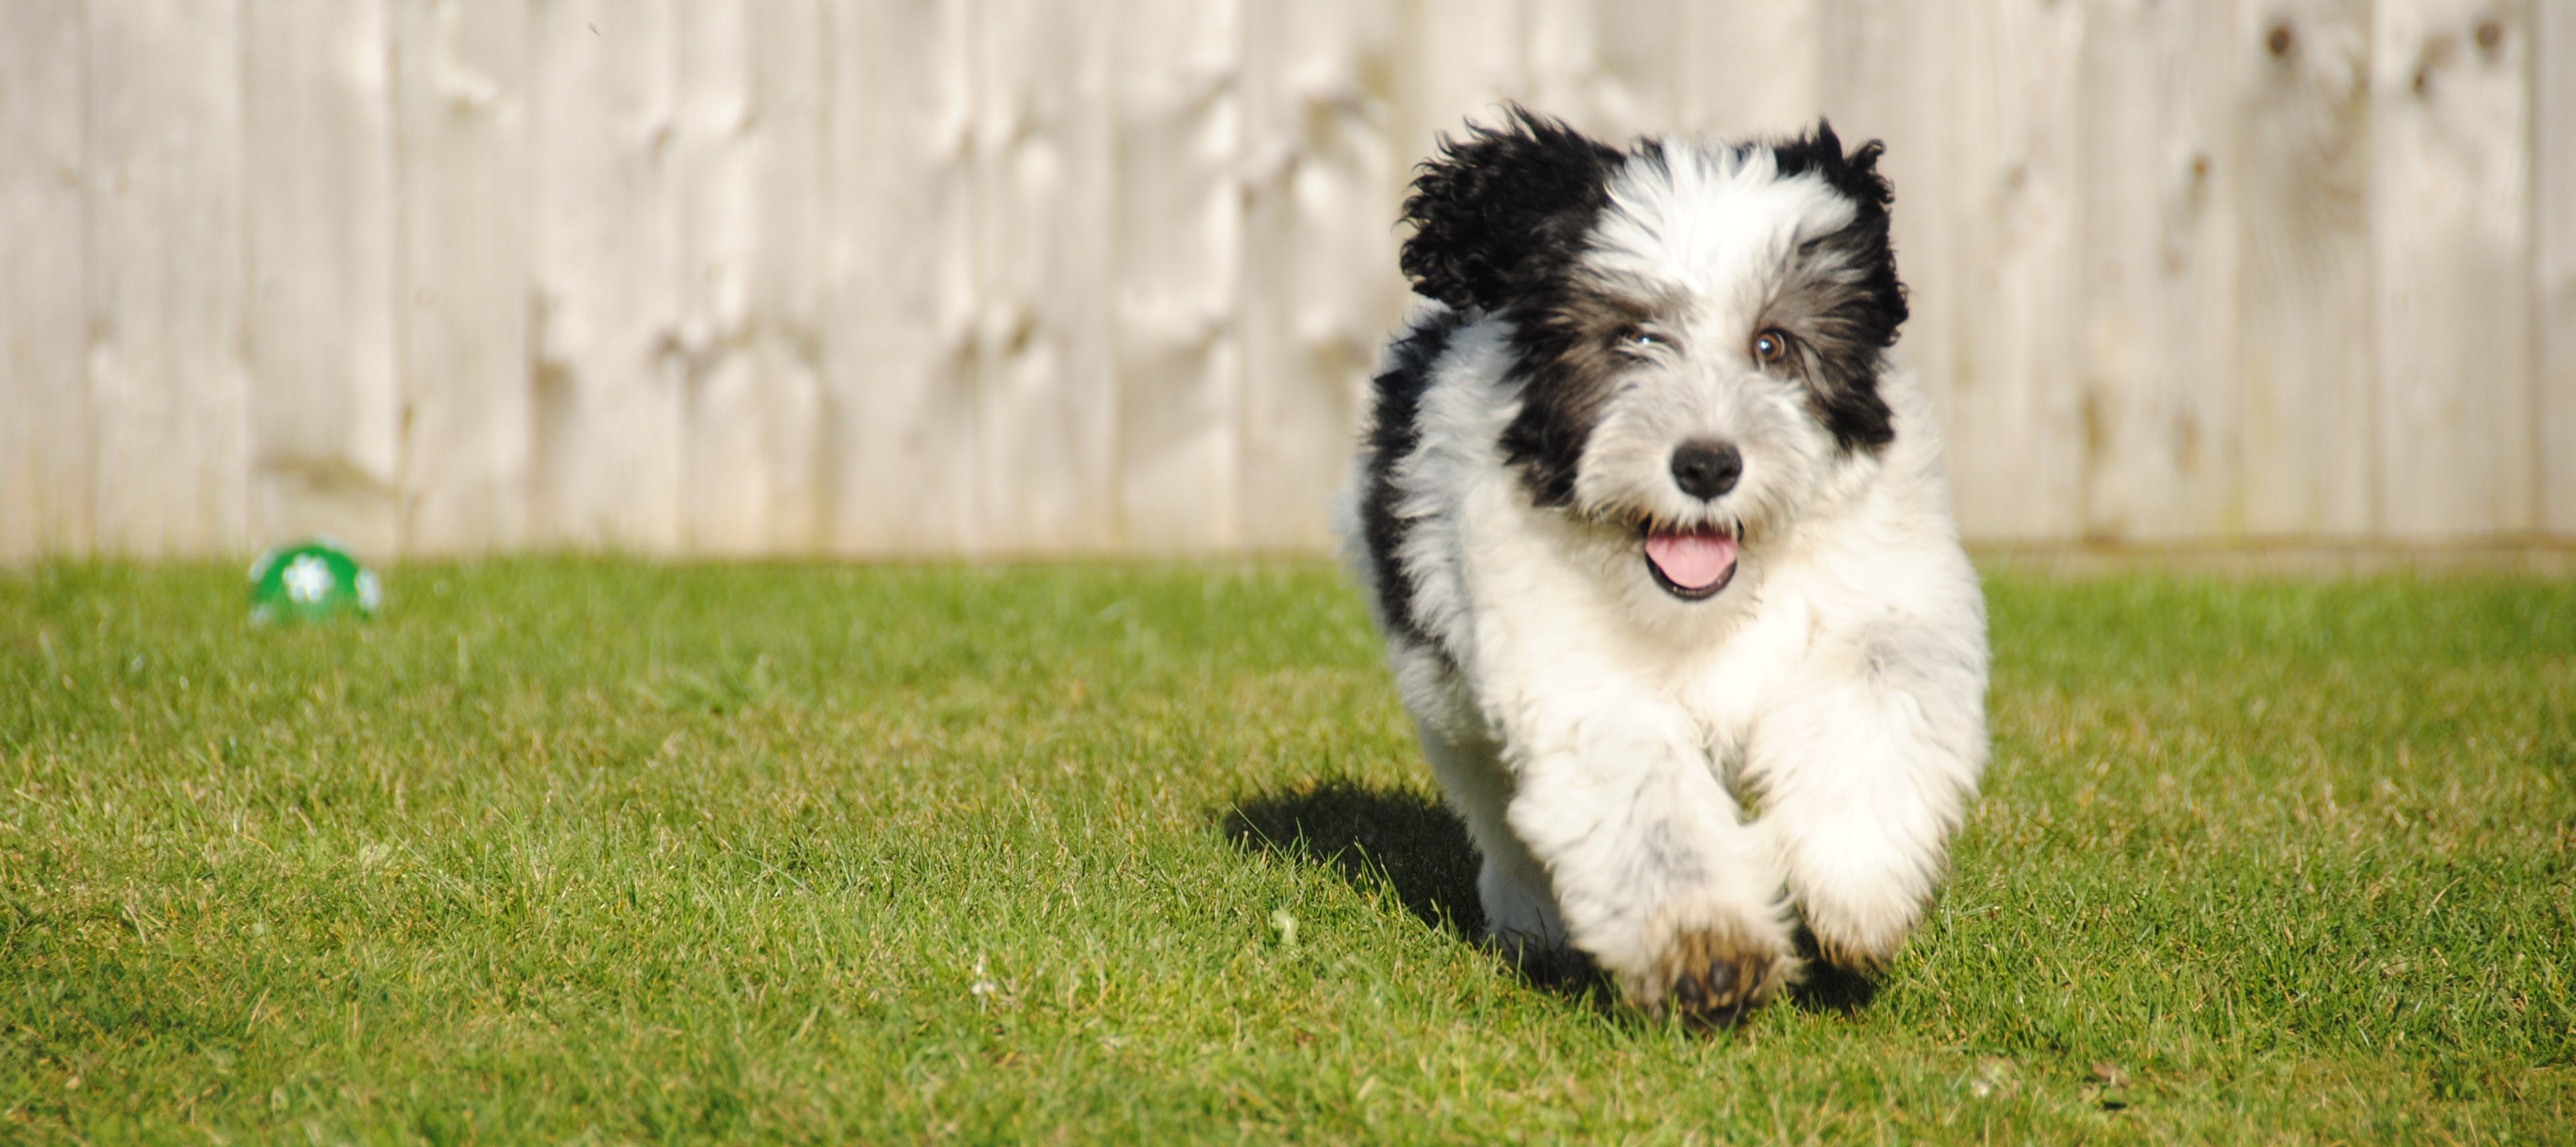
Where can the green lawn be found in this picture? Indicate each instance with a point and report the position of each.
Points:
(604, 851)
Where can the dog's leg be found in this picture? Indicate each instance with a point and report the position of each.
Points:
(1653, 872)
(1520, 909)
(1865, 766)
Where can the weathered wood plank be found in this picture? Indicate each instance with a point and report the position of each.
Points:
(2451, 215)
(1320, 286)
(1610, 66)
(1749, 68)
(325, 423)
(1178, 210)
(2554, 259)
(994, 276)
(900, 338)
(45, 472)
(2306, 353)
(1050, 404)
(2159, 289)
(1460, 60)
(170, 394)
(605, 274)
(749, 156)
(461, 125)
(1978, 110)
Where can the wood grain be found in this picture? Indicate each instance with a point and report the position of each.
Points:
(2451, 218)
(1316, 291)
(468, 421)
(1179, 255)
(1003, 277)
(2553, 144)
(1748, 67)
(169, 391)
(902, 295)
(2301, 158)
(326, 400)
(1047, 396)
(45, 473)
(753, 93)
(604, 276)
(2158, 276)
(1983, 146)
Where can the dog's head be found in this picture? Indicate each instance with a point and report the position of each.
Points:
(1698, 325)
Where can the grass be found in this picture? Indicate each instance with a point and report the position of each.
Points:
(601, 851)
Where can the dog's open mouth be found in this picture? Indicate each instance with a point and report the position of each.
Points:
(1691, 565)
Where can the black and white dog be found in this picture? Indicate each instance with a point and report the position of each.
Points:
(1665, 560)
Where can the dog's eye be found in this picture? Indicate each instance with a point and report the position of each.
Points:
(1638, 340)
(1770, 346)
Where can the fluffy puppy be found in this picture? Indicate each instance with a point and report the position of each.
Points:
(1664, 556)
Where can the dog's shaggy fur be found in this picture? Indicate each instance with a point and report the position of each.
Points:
(1664, 557)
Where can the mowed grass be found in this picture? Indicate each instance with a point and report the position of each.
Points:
(601, 851)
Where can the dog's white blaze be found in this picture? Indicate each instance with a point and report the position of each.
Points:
(1711, 223)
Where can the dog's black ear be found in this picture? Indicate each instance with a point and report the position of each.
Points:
(1855, 175)
(1503, 208)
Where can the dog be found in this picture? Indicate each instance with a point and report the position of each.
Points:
(1663, 554)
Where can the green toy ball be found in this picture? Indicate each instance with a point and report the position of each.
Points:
(311, 581)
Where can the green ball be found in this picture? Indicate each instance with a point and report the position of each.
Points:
(311, 581)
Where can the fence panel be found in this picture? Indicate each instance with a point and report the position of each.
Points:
(2554, 259)
(605, 273)
(1040, 382)
(44, 399)
(1003, 277)
(326, 424)
(462, 211)
(1319, 114)
(2450, 95)
(2159, 272)
(754, 80)
(902, 309)
(1981, 114)
(169, 391)
(2302, 170)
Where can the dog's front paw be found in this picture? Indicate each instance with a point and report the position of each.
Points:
(1862, 955)
(1712, 975)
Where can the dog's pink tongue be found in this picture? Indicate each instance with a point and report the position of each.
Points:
(1691, 561)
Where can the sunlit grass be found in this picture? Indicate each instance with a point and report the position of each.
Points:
(605, 851)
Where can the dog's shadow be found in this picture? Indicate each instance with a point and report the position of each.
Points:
(1373, 838)
(1410, 844)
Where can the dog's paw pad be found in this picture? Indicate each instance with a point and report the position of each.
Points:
(1712, 981)
(1720, 994)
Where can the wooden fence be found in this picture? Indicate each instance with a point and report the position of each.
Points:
(984, 276)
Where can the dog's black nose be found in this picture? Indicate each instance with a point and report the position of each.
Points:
(1705, 470)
